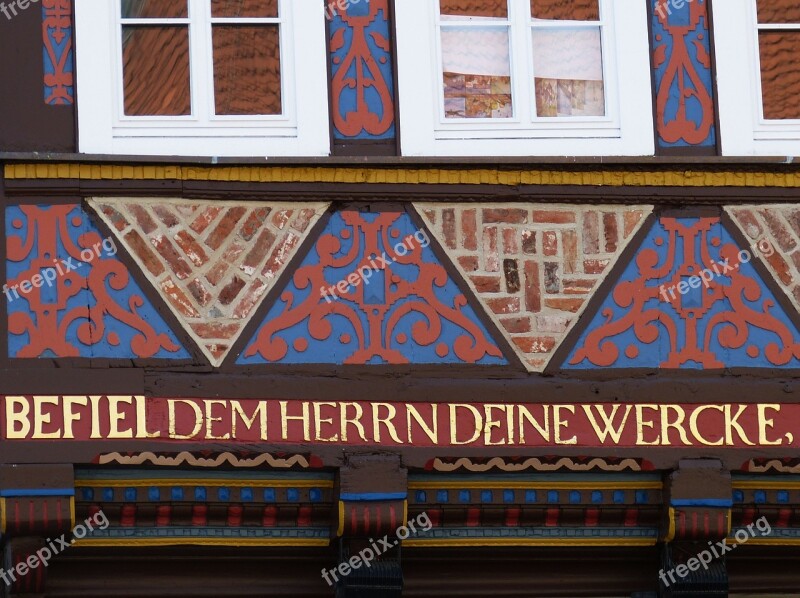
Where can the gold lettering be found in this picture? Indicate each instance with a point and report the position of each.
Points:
(141, 420)
(354, 421)
(377, 421)
(198, 419)
(114, 417)
(677, 424)
(608, 422)
(210, 419)
(731, 422)
(40, 418)
(260, 412)
(319, 420)
(525, 414)
(764, 424)
(94, 402)
(477, 420)
(286, 418)
(490, 423)
(16, 416)
(431, 432)
(641, 425)
(70, 416)
(558, 423)
(695, 428)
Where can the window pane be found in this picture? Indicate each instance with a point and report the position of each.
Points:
(247, 69)
(156, 70)
(244, 8)
(475, 8)
(778, 11)
(568, 66)
(576, 10)
(154, 9)
(780, 73)
(477, 72)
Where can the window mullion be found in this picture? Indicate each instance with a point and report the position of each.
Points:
(201, 60)
(521, 59)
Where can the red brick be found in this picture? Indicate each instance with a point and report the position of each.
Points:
(469, 229)
(504, 216)
(611, 232)
(178, 299)
(552, 324)
(166, 216)
(748, 221)
(553, 217)
(781, 267)
(221, 267)
(535, 344)
(591, 233)
(430, 215)
(550, 243)
(578, 286)
(490, 256)
(250, 299)
(504, 305)
(215, 330)
(571, 305)
(511, 271)
(486, 284)
(231, 291)
(449, 227)
(529, 242)
(171, 256)
(303, 219)
(225, 227)
(469, 263)
(796, 260)
(255, 222)
(793, 217)
(533, 300)
(191, 248)
(142, 218)
(279, 256)
(552, 282)
(281, 217)
(510, 244)
(631, 218)
(142, 250)
(776, 226)
(217, 350)
(516, 325)
(595, 266)
(205, 218)
(199, 292)
(569, 240)
(259, 251)
(117, 219)
(796, 293)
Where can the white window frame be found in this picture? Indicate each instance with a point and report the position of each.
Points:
(301, 130)
(743, 129)
(625, 130)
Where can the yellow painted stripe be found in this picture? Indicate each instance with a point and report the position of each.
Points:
(2, 515)
(770, 485)
(340, 527)
(279, 483)
(613, 176)
(500, 485)
(671, 531)
(770, 541)
(419, 542)
(91, 542)
(72, 511)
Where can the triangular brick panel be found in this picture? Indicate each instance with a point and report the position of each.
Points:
(69, 296)
(533, 266)
(774, 235)
(690, 299)
(372, 291)
(213, 262)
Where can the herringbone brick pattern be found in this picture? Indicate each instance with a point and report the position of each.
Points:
(213, 262)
